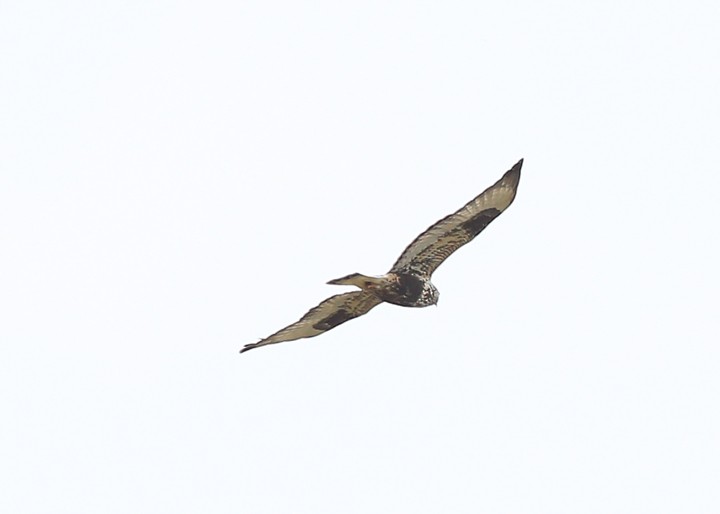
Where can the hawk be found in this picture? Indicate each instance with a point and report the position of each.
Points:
(408, 281)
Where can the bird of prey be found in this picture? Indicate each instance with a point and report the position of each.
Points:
(408, 281)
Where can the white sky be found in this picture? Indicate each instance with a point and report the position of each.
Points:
(181, 178)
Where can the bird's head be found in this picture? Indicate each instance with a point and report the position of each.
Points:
(430, 294)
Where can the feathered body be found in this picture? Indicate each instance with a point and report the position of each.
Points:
(406, 289)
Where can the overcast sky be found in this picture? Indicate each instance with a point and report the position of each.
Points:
(178, 179)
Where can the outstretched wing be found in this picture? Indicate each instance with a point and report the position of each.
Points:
(433, 246)
(328, 315)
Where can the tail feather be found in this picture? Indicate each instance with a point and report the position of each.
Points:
(356, 279)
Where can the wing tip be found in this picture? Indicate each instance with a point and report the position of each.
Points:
(250, 346)
(512, 176)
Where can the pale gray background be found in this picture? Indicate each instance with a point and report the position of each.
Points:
(181, 178)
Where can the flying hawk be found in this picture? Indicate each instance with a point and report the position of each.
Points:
(408, 281)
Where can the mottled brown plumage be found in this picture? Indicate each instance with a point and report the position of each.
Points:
(408, 281)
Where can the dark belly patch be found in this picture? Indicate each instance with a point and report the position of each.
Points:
(406, 291)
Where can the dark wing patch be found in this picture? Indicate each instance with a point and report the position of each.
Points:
(328, 315)
(335, 319)
(478, 223)
(438, 242)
